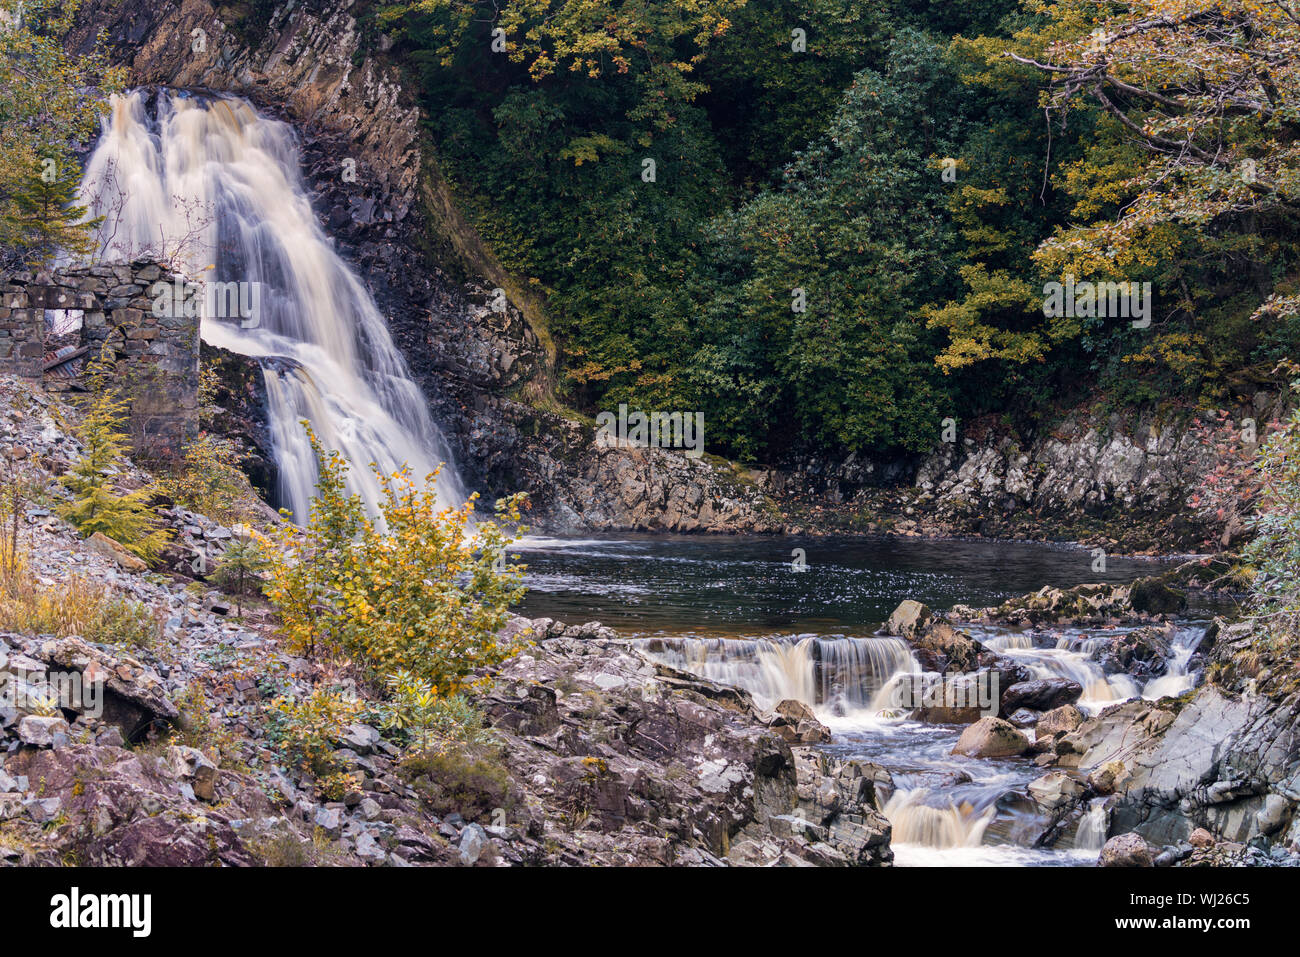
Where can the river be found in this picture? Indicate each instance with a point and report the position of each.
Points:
(787, 617)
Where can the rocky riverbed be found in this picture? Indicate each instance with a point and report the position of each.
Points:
(603, 752)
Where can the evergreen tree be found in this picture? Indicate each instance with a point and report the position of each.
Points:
(44, 218)
(97, 506)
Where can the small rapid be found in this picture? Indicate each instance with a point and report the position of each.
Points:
(701, 601)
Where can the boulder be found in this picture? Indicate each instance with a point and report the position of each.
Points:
(1056, 789)
(991, 738)
(795, 722)
(1041, 694)
(960, 649)
(192, 765)
(1143, 652)
(472, 841)
(113, 550)
(43, 732)
(952, 699)
(1107, 778)
(1060, 720)
(134, 696)
(1024, 718)
(907, 619)
(1152, 596)
(1126, 850)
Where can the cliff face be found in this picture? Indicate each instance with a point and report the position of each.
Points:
(375, 184)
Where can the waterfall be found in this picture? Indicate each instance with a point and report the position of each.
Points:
(923, 818)
(1071, 658)
(833, 676)
(1091, 833)
(214, 188)
(1176, 678)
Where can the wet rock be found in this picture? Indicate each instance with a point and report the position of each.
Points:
(991, 738)
(1153, 597)
(1024, 718)
(907, 619)
(1143, 652)
(1056, 790)
(1060, 720)
(795, 722)
(1041, 694)
(1108, 778)
(1126, 850)
(961, 651)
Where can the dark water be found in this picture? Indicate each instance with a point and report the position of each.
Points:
(747, 585)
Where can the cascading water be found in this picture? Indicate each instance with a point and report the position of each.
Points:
(1177, 677)
(214, 187)
(925, 819)
(833, 676)
(1071, 658)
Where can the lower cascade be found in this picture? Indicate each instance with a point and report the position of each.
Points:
(942, 807)
(211, 185)
(833, 676)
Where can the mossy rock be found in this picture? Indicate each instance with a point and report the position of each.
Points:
(1154, 597)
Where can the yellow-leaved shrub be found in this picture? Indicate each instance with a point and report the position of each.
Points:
(423, 588)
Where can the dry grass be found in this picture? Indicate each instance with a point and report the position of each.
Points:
(72, 607)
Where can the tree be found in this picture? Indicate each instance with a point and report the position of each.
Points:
(241, 566)
(808, 319)
(50, 105)
(96, 505)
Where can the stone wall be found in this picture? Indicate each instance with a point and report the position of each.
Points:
(154, 359)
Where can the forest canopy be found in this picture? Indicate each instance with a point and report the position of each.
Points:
(830, 224)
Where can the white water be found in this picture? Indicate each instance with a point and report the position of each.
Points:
(1176, 678)
(835, 677)
(214, 188)
(1091, 835)
(1072, 659)
(919, 817)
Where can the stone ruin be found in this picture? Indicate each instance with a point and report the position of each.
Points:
(54, 324)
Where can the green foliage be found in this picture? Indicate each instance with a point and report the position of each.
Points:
(50, 102)
(305, 730)
(96, 505)
(467, 782)
(819, 169)
(431, 723)
(242, 566)
(858, 226)
(1274, 552)
(422, 589)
